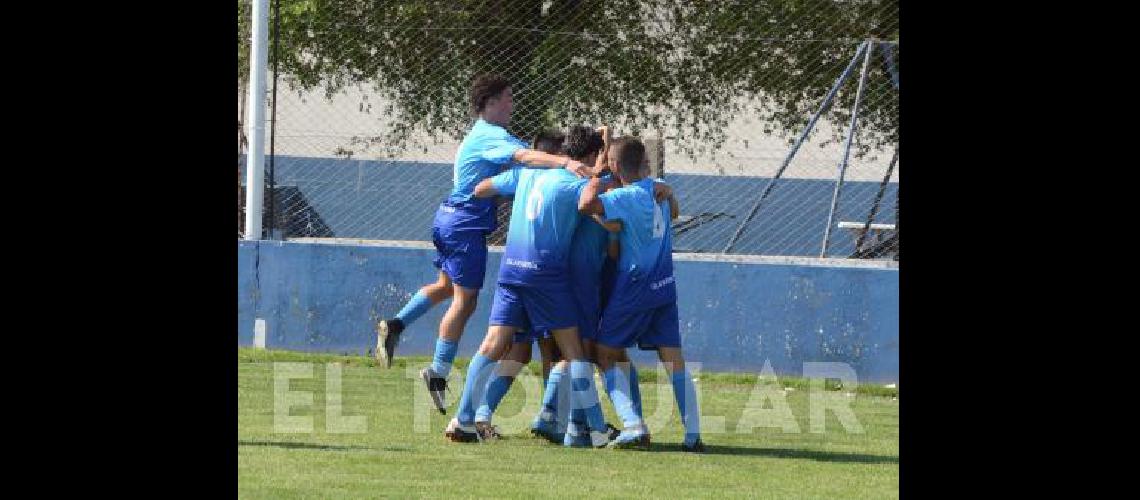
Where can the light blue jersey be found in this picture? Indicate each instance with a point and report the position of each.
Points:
(645, 266)
(588, 250)
(544, 217)
(484, 152)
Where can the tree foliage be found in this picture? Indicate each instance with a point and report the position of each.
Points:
(678, 66)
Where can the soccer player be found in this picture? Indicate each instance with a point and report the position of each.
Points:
(547, 141)
(592, 265)
(662, 193)
(588, 247)
(533, 291)
(591, 247)
(642, 309)
(460, 228)
(588, 252)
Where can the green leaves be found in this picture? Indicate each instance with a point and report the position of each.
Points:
(678, 66)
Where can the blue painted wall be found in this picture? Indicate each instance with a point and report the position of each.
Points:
(734, 316)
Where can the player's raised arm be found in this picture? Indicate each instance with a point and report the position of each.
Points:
(663, 192)
(537, 159)
(588, 201)
(602, 159)
(613, 226)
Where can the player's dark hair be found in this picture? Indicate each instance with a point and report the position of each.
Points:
(549, 141)
(582, 142)
(629, 153)
(485, 87)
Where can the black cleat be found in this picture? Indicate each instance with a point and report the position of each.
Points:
(387, 335)
(545, 429)
(460, 434)
(697, 447)
(436, 387)
(487, 432)
(636, 438)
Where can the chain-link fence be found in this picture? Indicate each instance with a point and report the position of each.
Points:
(371, 104)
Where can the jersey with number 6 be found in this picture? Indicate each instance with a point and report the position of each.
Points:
(645, 266)
(544, 215)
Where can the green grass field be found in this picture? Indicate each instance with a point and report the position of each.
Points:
(400, 454)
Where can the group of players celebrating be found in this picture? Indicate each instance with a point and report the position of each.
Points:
(587, 272)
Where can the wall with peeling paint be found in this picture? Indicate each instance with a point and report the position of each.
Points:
(735, 313)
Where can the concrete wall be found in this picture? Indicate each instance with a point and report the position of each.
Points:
(736, 313)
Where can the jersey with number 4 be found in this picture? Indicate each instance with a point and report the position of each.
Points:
(544, 215)
(645, 266)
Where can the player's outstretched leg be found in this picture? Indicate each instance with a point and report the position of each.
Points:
(584, 394)
(634, 386)
(550, 423)
(634, 434)
(505, 373)
(462, 427)
(686, 394)
(388, 331)
(447, 345)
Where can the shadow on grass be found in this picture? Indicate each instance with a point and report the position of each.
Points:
(318, 446)
(821, 456)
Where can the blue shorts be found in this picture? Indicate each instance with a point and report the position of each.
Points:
(589, 310)
(608, 278)
(533, 308)
(649, 329)
(462, 255)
